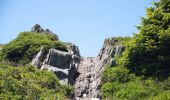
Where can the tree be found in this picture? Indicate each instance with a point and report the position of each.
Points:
(149, 51)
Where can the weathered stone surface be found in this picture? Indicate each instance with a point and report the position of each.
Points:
(73, 49)
(63, 64)
(47, 31)
(84, 73)
(90, 69)
(59, 59)
(38, 29)
(62, 74)
(38, 60)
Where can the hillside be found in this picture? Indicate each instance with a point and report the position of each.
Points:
(19, 80)
(37, 65)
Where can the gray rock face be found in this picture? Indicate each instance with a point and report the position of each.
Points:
(37, 61)
(38, 29)
(62, 64)
(73, 49)
(59, 58)
(90, 69)
(84, 73)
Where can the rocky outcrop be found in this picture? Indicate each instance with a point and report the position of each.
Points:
(84, 73)
(38, 29)
(90, 69)
(37, 60)
(63, 64)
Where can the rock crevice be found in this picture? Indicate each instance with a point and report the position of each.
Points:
(84, 73)
(90, 69)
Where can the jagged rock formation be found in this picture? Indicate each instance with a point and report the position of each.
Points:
(84, 73)
(38, 29)
(90, 69)
(63, 64)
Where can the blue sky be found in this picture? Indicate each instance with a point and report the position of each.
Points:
(83, 22)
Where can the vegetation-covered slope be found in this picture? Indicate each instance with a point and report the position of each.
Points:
(143, 70)
(28, 83)
(27, 44)
(24, 82)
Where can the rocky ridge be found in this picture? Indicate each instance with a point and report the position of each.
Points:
(84, 73)
(87, 84)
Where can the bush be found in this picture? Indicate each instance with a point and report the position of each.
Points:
(31, 84)
(28, 44)
(119, 84)
(138, 89)
(148, 53)
(115, 74)
(162, 96)
(108, 90)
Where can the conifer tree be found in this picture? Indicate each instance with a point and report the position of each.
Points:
(149, 52)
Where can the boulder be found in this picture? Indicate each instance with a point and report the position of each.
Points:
(37, 29)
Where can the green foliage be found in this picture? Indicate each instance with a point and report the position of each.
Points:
(122, 40)
(1, 46)
(163, 96)
(116, 74)
(143, 70)
(118, 40)
(118, 83)
(27, 44)
(148, 53)
(28, 83)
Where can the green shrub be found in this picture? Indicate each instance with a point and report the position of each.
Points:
(115, 74)
(118, 40)
(28, 44)
(166, 84)
(138, 89)
(134, 89)
(28, 83)
(165, 95)
(148, 53)
(108, 90)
